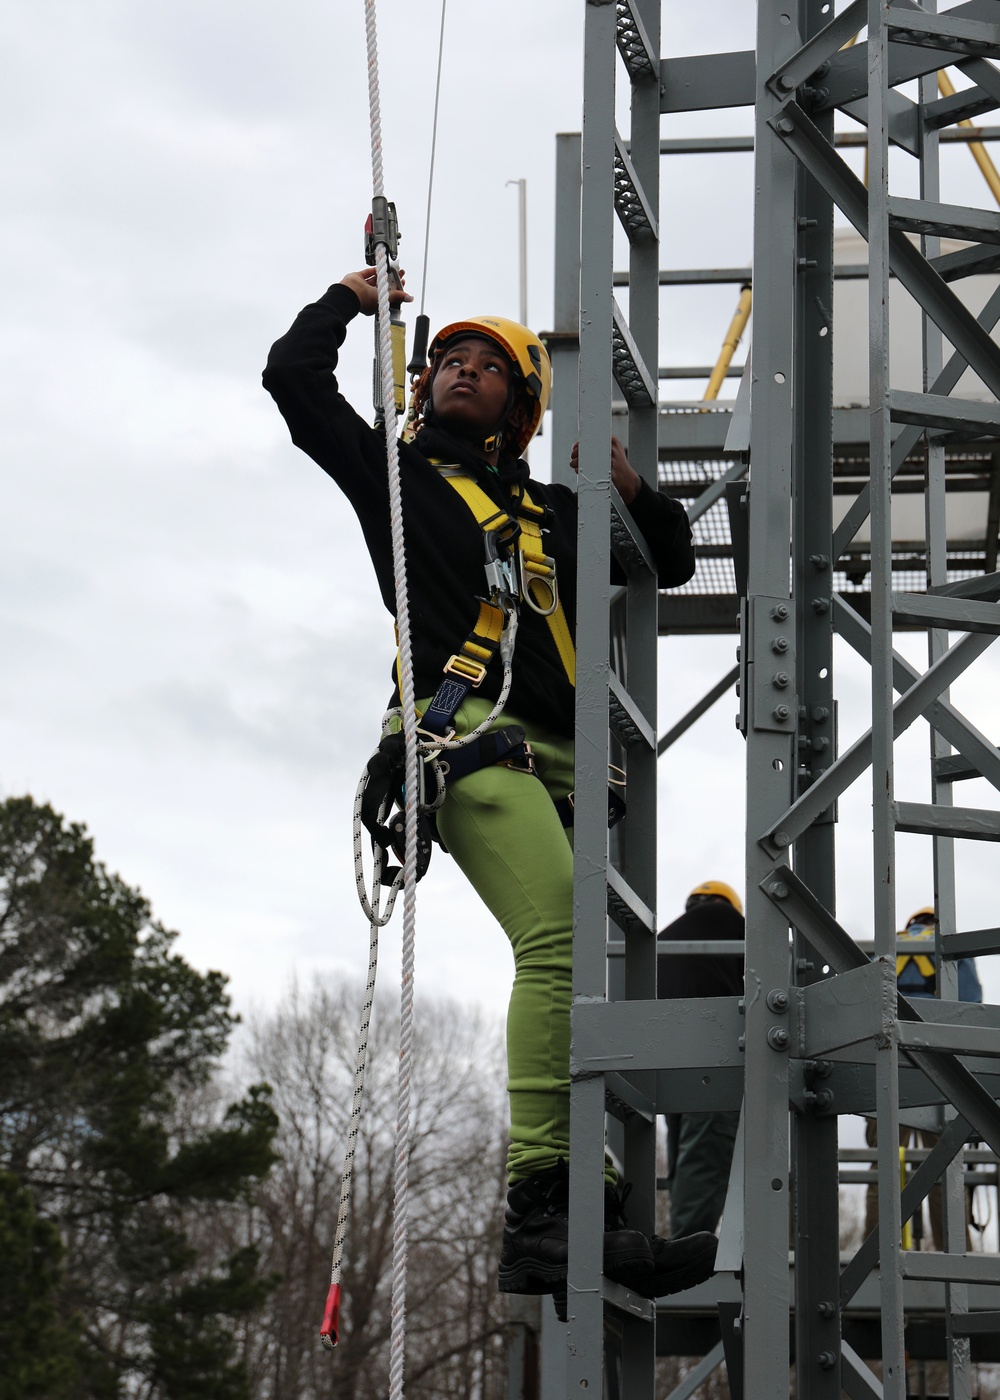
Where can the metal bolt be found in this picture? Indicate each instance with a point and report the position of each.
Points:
(779, 612)
(804, 264)
(820, 561)
(821, 606)
(741, 1006)
(781, 712)
(779, 645)
(742, 1044)
(777, 999)
(781, 679)
(826, 1309)
(784, 127)
(786, 83)
(821, 744)
(824, 1098)
(827, 1360)
(778, 1038)
(782, 839)
(820, 713)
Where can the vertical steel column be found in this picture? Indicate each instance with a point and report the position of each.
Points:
(767, 625)
(590, 839)
(883, 827)
(639, 832)
(959, 1347)
(564, 342)
(619, 178)
(815, 1130)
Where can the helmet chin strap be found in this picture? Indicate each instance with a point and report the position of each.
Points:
(491, 443)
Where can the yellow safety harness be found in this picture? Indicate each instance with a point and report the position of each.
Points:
(537, 582)
(925, 965)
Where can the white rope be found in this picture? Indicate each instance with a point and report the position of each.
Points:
(360, 1067)
(415, 749)
(401, 1183)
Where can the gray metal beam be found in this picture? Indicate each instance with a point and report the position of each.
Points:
(848, 767)
(921, 281)
(707, 81)
(976, 748)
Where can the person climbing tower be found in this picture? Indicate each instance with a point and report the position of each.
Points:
(470, 504)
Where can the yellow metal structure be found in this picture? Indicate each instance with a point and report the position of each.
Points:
(907, 1235)
(733, 336)
(980, 154)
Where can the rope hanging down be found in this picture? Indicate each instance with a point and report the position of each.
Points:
(401, 1180)
(401, 1186)
(416, 751)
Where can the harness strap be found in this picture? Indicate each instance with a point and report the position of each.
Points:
(925, 966)
(539, 587)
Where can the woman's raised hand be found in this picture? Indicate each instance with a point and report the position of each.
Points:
(624, 478)
(364, 285)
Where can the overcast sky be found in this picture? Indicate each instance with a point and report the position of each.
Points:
(194, 657)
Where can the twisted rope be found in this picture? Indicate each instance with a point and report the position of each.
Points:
(401, 1182)
(406, 879)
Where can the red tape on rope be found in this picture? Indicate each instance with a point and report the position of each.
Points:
(330, 1331)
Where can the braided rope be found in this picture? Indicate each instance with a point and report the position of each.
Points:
(406, 879)
(360, 1068)
(401, 1182)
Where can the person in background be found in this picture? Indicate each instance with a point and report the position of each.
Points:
(700, 1145)
(916, 976)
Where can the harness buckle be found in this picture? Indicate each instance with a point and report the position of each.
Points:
(522, 762)
(501, 571)
(466, 669)
(539, 587)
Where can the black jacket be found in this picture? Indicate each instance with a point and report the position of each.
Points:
(444, 544)
(702, 974)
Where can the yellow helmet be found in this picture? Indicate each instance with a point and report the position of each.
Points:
(922, 917)
(527, 353)
(709, 889)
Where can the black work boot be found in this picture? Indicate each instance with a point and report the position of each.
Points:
(534, 1253)
(627, 1253)
(679, 1264)
(676, 1264)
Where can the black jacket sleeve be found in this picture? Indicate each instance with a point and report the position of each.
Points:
(300, 378)
(667, 531)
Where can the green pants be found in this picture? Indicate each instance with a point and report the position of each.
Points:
(503, 830)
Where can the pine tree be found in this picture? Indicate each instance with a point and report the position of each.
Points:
(39, 1350)
(109, 1041)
